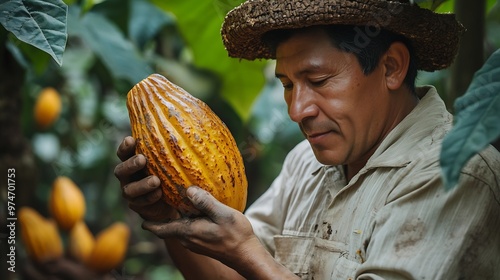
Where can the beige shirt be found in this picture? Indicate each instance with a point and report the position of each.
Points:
(394, 219)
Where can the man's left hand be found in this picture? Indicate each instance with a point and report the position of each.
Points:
(222, 233)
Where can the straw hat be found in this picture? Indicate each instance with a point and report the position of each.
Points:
(435, 37)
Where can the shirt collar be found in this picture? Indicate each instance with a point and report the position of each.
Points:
(399, 146)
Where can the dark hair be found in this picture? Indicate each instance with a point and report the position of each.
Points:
(368, 50)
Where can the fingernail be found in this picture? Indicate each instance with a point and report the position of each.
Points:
(153, 181)
(138, 159)
(126, 141)
(191, 191)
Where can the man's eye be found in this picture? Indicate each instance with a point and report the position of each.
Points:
(287, 86)
(318, 83)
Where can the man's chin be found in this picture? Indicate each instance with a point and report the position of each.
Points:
(328, 157)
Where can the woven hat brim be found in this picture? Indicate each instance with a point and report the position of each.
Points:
(435, 37)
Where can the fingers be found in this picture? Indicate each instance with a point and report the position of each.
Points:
(143, 193)
(215, 213)
(146, 186)
(165, 230)
(125, 170)
(145, 200)
(182, 229)
(208, 205)
(158, 211)
(126, 148)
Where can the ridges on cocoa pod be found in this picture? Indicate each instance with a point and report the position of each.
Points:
(81, 242)
(66, 202)
(110, 248)
(40, 236)
(185, 144)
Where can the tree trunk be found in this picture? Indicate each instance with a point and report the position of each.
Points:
(471, 55)
(15, 151)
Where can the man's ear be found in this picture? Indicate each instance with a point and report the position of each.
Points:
(396, 61)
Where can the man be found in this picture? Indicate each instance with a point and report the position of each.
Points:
(362, 196)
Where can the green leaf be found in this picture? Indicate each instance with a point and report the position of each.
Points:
(432, 5)
(477, 121)
(446, 7)
(436, 4)
(116, 11)
(41, 23)
(38, 60)
(199, 23)
(146, 21)
(490, 4)
(28, 56)
(109, 44)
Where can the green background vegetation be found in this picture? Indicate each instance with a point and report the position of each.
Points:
(113, 44)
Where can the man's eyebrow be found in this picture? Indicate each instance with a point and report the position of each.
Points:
(309, 69)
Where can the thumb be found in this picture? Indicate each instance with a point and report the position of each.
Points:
(206, 203)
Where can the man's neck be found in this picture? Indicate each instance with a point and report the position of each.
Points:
(405, 102)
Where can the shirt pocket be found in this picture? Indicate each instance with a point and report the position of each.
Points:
(294, 253)
(330, 261)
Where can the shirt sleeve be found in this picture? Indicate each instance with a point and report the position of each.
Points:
(430, 233)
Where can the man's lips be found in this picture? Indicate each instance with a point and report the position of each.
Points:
(316, 130)
(317, 134)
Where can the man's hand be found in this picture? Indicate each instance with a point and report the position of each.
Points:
(222, 233)
(142, 192)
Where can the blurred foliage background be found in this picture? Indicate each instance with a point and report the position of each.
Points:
(113, 44)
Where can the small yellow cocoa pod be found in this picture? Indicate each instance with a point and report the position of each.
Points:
(40, 236)
(47, 107)
(56, 248)
(110, 248)
(185, 144)
(66, 202)
(81, 242)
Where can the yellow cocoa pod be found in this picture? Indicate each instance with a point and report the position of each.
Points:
(47, 107)
(110, 248)
(185, 144)
(81, 242)
(40, 236)
(66, 202)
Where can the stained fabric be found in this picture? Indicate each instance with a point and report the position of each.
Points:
(392, 220)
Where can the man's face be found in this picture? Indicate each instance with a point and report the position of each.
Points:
(343, 113)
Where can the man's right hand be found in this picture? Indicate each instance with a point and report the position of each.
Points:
(143, 192)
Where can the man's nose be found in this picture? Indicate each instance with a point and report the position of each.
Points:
(301, 104)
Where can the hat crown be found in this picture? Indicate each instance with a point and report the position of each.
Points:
(434, 37)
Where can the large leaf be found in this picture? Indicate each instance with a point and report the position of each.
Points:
(146, 21)
(108, 42)
(199, 23)
(429, 4)
(447, 6)
(477, 121)
(41, 23)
